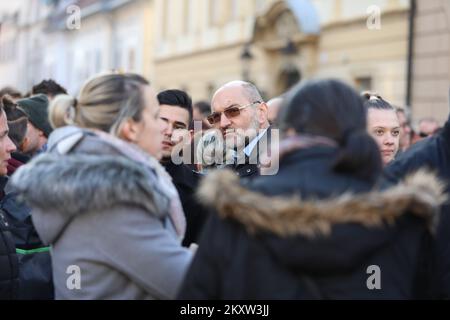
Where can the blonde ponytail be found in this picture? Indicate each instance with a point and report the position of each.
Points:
(62, 111)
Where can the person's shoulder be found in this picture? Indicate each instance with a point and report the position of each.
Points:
(422, 152)
(425, 153)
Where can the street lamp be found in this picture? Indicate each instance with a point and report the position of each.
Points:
(246, 59)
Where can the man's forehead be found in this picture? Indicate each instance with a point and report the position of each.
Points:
(176, 113)
(228, 96)
(3, 122)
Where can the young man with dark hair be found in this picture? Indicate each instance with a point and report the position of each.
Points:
(176, 111)
(48, 87)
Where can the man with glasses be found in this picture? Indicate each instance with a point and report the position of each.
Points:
(241, 115)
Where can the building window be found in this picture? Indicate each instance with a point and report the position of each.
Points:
(4, 51)
(214, 12)
(131, 60)
(8, 50)
(234, 9)
(259, 5)
(87, 67)
(118, 59)
(186, 16)
(98, 61)
(363, 84)
(165, 18)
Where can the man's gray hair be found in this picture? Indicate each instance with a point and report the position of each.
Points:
(249, 89)
(251, 92)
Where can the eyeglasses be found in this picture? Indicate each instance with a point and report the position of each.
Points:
(231, 112)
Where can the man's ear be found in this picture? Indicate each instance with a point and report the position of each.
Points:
(263, 112)
(41, 133)
(23, 146)
(129, 130)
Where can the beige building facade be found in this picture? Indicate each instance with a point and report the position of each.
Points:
(431, 60)
(198, 45)
(201, 44)
(40, 40)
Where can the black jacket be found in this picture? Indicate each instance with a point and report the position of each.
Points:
(34, 261)
(434, 154)
(265, 247)
(251, 166)
(186, 181)
(9, 267)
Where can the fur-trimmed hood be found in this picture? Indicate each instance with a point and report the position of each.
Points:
(420, 194)
(344, 227)
(59, 187)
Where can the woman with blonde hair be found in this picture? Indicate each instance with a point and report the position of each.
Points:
(101, 199)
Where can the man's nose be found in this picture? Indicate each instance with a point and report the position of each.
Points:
(11, 146)
(169, 129)
(163, 126)
(224, 121)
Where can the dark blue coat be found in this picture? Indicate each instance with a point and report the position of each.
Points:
(434, 154)
(186, 181)
(34, 261)
(9, 267)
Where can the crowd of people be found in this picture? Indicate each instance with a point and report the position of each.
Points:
(147, 195)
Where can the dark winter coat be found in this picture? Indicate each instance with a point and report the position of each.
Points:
(35, 266)
(251, 166)
(186, 181)
(9, 267)
(434, 154)
(266, 243)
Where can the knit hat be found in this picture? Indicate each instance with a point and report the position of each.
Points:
(17, 121)
(36, 109)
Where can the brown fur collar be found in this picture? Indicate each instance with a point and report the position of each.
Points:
(420, 194)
